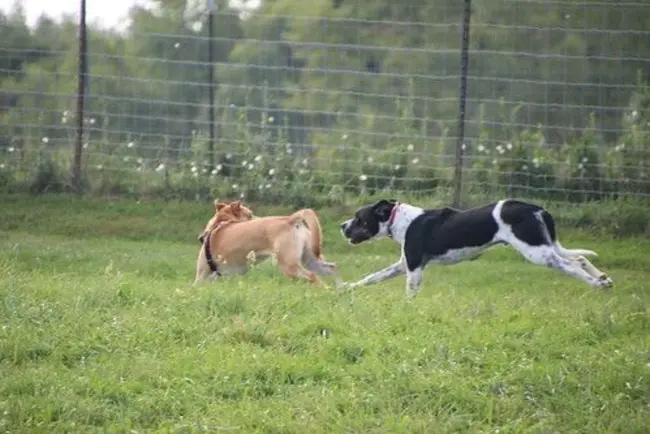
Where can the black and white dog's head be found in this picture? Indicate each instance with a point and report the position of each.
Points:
(369, 222)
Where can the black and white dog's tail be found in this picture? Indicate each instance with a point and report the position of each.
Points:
(546, 220)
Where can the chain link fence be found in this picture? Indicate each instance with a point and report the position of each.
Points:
(289, 101)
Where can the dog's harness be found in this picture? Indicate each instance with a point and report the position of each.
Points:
(391, 219)
(208, 252)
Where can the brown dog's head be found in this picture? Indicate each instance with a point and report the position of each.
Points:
(226, 212)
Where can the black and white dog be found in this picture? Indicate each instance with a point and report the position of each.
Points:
(447, 236)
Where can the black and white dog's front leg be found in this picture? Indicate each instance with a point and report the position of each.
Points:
(415, 262)
(413, 281)
(391, 271)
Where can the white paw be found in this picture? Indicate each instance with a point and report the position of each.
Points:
(604, 282)
(410, 295)
(345, 285)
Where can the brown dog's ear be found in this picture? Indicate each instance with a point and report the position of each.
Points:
(236, 205)
(219, 204)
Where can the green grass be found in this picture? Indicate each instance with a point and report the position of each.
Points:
(101, 331)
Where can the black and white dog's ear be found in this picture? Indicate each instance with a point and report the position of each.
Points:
(383, 208)
(442, 214)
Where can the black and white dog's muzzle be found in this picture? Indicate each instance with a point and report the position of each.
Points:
(355, 234)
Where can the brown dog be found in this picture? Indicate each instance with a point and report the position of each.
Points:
(237, 212)
(232, 236)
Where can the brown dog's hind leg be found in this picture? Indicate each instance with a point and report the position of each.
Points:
(293, 268)
(288, 257)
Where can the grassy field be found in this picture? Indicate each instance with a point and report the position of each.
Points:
(101, 331)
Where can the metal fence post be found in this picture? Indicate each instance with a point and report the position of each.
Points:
(81, 91)
(462, 99)
(211, 85)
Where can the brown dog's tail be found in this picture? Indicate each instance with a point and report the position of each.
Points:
(297, 220)
(312, 222)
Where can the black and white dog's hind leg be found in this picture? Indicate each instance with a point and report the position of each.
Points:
(547, 256)
(551, 254)
(578, 256)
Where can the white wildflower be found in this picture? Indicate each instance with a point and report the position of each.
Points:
(509, 146)
(305, 162)
(92, 121)
(397, 167)
(463, 146)
(344, 136)
(634, 113)
(130, 145)
(197, 26)
(99, 167)
(45, 140)
(194, 169)
(214, 172)
(362, 178)
(242, 195)
(218, 168)
(524, 167)
(64, 120)
(2, 165)
(251, 166)
(371, 160)
(140, 160)
(271, 119)
(535, 162)
(85, 146)
(301, 171)
(177, 45)
(196, 175)
(410, 147)
(235, 187)
(415, 161)
(244, 163)
(581, 166)
(494, 162)
(267, 186)
(160, 168)
(228, 156)
(257, 158)
(585, 159)
(11, 149)
(289, 151)
(126, 159)
(481, 148)
(271, 172)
